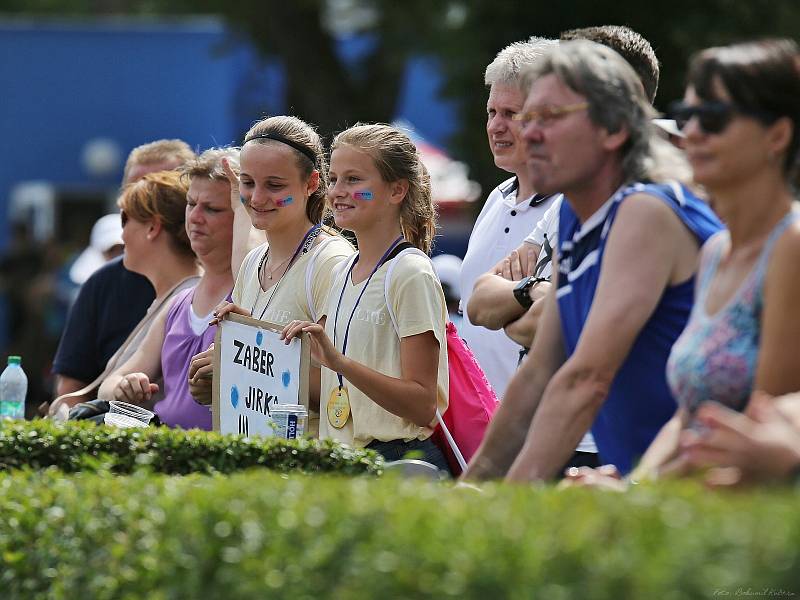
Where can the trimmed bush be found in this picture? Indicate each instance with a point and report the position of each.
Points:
(79, 446)
(261, 535)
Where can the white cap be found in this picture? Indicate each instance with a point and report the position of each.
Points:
(669, 125)
(106, 234)
(448, 270)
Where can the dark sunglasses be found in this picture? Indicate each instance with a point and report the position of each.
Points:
(123, 217)
(713, 117)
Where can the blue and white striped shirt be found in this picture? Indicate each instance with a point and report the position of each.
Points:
(639, 402)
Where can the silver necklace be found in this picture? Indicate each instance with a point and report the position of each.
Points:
(302, 248)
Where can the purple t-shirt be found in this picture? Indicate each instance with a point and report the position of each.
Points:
(181, 343)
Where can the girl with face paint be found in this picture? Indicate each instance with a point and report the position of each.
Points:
(280, 190)
(382, 347)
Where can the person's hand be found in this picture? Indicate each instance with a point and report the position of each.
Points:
(58, 410)
(788, 405)
(519, 263)
(761, 447)
(201, 376)
(223, 309)
(236, 200)
(322, 349)
(135, 388)
(604, 477)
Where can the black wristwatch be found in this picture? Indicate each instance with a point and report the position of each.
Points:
(523, 288)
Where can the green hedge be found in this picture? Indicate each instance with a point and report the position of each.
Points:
(81, 446)
(262, 535)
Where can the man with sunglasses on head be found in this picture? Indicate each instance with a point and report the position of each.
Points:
(628, 240)
(113, 300)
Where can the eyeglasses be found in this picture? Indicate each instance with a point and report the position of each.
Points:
(713, 117)
(547, 114)
(123, 217)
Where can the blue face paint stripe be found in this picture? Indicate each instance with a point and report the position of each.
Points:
(363, 195)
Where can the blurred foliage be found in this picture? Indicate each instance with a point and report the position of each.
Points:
(83, 446)
(463, 35)
(261, 535)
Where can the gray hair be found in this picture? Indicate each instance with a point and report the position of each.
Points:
(160, 151)
(512, 61)
(209, 164)
(616, 101)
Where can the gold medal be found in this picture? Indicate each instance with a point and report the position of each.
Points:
(339, 407)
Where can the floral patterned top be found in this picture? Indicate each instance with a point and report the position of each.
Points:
(715, 357)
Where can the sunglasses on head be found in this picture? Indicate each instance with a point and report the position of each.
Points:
(713, 117)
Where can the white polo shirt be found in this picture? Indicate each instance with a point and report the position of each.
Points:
(501, 226)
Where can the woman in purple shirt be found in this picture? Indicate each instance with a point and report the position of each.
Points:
(182, 331)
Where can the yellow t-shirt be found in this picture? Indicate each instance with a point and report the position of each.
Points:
(302, 292)
(418, 304)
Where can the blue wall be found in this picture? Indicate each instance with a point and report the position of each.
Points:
(65, 84)
(133, 81)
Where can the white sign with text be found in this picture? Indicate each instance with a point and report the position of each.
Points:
(254, 370)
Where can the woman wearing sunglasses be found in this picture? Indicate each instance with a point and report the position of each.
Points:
(740, 116)
(153, 214)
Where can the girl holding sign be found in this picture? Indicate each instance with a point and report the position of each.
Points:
(281, 188)
(382, 381)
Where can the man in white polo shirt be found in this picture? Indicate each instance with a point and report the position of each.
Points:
(512, 209)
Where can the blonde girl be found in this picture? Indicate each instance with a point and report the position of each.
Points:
(382, 345)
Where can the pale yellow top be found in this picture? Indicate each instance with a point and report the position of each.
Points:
(418, 304)
(302, 292)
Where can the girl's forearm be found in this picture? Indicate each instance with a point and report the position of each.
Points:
(405, 398)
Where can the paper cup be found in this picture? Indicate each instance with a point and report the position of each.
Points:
(122, 421)
(130, 410)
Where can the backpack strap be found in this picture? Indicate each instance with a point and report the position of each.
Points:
(310, 278)
(111, 365)
(546, 257)
(251, 256)
(451, 442)
(399, 252)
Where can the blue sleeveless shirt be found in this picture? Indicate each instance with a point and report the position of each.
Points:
(639, 401)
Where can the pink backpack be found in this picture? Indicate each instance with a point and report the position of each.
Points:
(472, 401)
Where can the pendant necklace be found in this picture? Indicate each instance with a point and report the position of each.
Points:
(338, 407)
(302, 248)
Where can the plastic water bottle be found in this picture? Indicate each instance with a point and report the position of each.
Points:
(13, 389)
